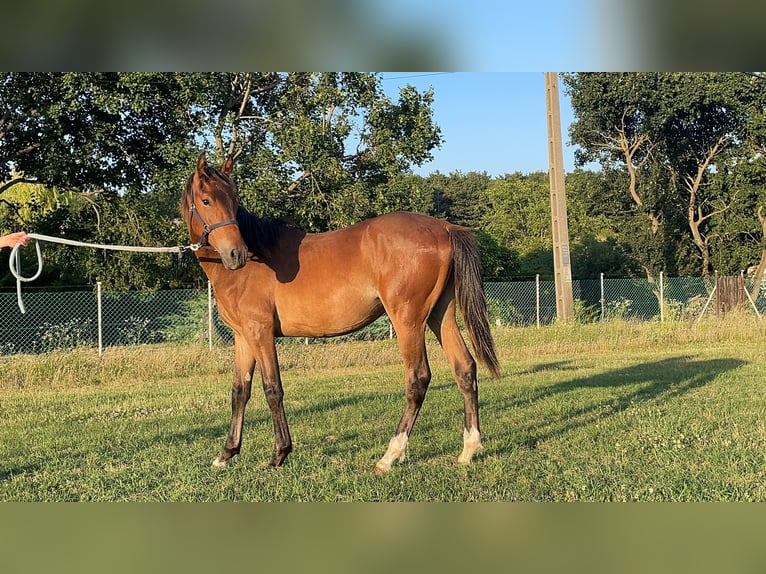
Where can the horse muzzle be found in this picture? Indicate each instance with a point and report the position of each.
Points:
(233, 258)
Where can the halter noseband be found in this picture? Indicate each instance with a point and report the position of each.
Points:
(206, 228)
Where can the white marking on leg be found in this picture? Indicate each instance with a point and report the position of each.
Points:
(218, 463)
(471, 444)
(397, 447)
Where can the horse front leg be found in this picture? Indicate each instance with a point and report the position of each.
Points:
(272, 389)
(244, 364)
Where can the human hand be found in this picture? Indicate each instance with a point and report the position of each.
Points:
(14, 239)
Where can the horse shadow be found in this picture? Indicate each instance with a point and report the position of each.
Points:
(566, 365)
(655, 381)
(10, 473)
(258, 420)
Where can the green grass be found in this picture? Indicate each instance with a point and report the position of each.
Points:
(613, 412)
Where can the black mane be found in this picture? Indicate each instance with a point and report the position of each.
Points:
(260, 235)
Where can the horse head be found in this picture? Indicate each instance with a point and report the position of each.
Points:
(209, 207)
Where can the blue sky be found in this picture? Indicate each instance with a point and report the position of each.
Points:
(492, 122)
(519, 35)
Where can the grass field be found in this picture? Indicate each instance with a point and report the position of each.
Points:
(612, 412)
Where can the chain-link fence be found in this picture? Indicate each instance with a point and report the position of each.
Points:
(64, 320)
(99, 319)
(533, 302)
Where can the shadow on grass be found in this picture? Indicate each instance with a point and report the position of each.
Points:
(10, 474)
(656, 381)
(615, 391)
(554, 366)
(258, 423)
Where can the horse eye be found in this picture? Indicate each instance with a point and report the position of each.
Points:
(205, 202)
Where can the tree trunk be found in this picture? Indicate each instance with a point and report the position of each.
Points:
(756, 287)
(629, 147)
(694, 209)
(762, 264)
(699, 240)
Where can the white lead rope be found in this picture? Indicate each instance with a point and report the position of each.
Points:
(15, 262)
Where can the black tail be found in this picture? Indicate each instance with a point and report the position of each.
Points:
(469, 292)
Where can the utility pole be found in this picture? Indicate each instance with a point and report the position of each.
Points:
(562, 266)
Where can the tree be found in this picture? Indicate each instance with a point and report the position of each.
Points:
(324, 149)
(460, 197)
(91, 131)
(91, 138)
(671, 132)
(497, 262)
(737, 239)
(600, 234)
(518, 215)
(316, 146)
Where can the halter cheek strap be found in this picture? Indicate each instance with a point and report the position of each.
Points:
(206, 228)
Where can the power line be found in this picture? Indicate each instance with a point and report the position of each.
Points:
(417, 75)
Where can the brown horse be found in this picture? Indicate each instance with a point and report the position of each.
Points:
(273, 280)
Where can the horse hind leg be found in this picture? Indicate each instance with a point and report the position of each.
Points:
(444, 325)
(417, 378)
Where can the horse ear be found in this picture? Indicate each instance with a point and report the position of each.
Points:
(228, 166)
(201, 164)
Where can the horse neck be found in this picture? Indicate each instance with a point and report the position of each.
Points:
(282, 258)
(212, 266)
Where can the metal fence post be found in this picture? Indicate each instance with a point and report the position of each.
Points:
(749, 298)
(662, 297)
(537, 298)
(209, 315)
(99, 320)
(602, 300)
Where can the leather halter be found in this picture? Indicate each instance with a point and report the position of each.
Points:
(206, 228)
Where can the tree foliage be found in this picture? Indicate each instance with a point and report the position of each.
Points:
(317, 147)
(103, 157)
(91, 131)
(680, 137)
(324, 149)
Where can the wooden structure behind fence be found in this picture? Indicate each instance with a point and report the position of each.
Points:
(730, 293)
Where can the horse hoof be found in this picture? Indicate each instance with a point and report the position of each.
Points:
(218, 463)
(380, 470)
